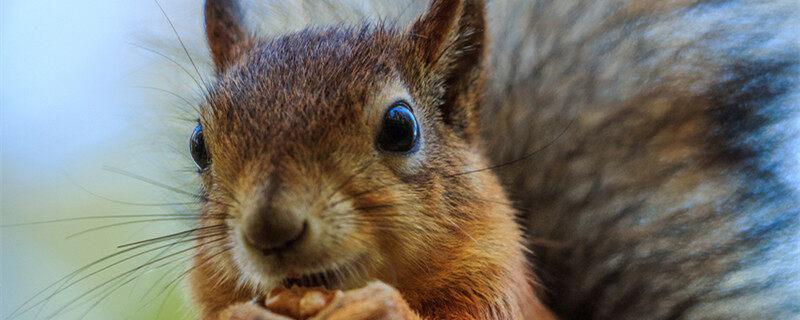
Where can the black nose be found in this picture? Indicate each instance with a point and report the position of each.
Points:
(273, 230)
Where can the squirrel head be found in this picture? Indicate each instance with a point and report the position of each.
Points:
(345, 154)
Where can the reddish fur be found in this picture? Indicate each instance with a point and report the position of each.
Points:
(469, 263)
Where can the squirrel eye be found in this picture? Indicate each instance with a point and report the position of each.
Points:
(197, 147)
(400, 130)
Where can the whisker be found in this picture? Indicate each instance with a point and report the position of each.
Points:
(161, 185)
(111, 289)
(161, 278)
(207, 260)
(180, 40)
(140, 204)
(520, 159)
(170, 236)
(188, 103)
(151, 181)
(85, 231)
(179, 65)
(163, 302)
(67, 278)
(71, 302)
(119, 216)
(154, 285)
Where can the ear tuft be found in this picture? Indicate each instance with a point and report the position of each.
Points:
(437, 28)
(225, 31)
(451, 40)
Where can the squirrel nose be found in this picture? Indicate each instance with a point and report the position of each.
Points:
(273, 230)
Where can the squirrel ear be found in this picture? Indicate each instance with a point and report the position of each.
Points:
(225, 31)
(451, 41)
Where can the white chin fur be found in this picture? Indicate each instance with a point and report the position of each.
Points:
(255, 273)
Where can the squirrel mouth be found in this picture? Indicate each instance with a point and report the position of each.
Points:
(328, 279)
(337, 277)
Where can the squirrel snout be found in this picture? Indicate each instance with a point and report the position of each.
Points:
(273, 230)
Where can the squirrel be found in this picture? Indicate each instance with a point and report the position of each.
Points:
(637, 143)
(347, 155)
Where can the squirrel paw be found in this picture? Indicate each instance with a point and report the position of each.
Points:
(377, 300)
(249, 311)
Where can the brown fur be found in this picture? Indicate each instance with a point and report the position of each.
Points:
(291, 123)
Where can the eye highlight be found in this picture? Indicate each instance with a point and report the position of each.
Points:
(399, 131)
(197, 147)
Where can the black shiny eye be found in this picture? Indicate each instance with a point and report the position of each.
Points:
(400, 131)
(197, 147)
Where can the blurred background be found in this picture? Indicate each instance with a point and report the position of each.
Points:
(96, 107)
(91, 106)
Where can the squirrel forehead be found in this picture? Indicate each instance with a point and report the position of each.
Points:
(306, 74)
